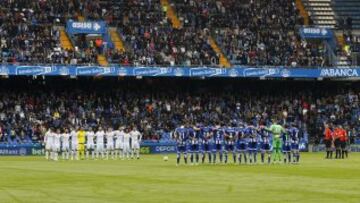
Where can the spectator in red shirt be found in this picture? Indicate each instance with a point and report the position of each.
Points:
(99, 44)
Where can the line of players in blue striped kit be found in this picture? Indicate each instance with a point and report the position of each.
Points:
(242, 143)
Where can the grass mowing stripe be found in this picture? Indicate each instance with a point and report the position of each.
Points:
(33, 179)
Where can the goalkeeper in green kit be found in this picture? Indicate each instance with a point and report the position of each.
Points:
(277, 131)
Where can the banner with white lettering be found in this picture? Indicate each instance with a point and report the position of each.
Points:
(21, 150)
(158, 148)
(315, 33)
(86, 27)
(203, 72)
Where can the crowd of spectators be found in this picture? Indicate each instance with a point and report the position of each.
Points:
(349, 49)
(353, 42)
(254, 32)
(29, 32)
(152, 40)
(28, 107)
(249, 32)
(26, 35)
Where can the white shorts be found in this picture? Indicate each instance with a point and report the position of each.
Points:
(118, 145)
(100, 147)
(135, 145)
(56, 148)
(110, 146)
(126, 147)
(74, 146)
(90, 145)
(48, 147)
(66, 147)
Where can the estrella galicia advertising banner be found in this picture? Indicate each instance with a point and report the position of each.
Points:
(95, 70)
(202, 72)
(86, 27)
(21, 150)
(315, 33)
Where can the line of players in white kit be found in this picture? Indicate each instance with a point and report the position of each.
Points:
(243, 143)
(75, 144)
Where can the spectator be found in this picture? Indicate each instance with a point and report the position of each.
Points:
(158, 109)
(248, 32)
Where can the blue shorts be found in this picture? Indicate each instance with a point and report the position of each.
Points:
(218, 147)
(229, 148)
(286, 148)
(294, 146)
(265, 147)
(241, 146)
(206, 147)
(181, 149)
(194, 148)
(252, 146)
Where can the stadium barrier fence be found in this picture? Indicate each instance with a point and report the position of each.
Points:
(147, 147)
(199, 72)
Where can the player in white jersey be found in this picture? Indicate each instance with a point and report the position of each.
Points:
(74, 144)
(48, 140)
(119, 136)
(65, 139)
(110, 143)
(126, 144)
(135, 143)
(56, 144)
(90, 146)
(99, 136)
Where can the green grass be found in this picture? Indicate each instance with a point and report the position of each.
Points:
(32, 179)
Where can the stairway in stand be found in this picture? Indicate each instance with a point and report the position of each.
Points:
(101, 59)
(65, 41)
(340, 40)
(81, 18)
(342, 61)
(303, 12)
(223, 60)
(321, 12)
(116, 39)
(171, 14)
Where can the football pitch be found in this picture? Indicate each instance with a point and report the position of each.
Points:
(33, 179)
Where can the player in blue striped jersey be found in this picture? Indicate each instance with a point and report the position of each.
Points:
(286, 148)
(241, 144)
(218, 139)
(294, 139)
(181, 136)
(251, 133)
(194, 139)
(206, 143)
(230, 135)
(265, 137)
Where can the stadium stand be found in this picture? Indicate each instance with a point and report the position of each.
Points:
(321, 12)
(211, 33)
(347, 11)
(334, 13)
(176, 32)
(27, 106)
(343, 17)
